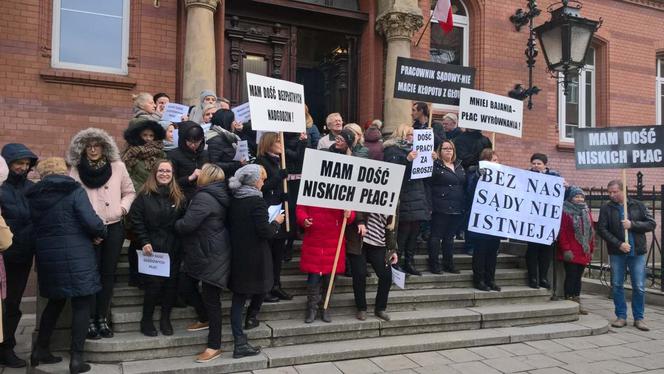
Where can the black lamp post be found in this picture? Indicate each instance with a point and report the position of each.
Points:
(565, 40)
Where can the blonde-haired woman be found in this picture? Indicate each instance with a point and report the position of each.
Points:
(207, 250)
(414, 206)
(270, 149)
(158, 205)
(144, 107)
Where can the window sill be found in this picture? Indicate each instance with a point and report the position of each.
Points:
(83, 78)
(563, 146)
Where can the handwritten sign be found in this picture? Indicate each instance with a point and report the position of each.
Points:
(159, 264)
(242, 151)
(423, 145)
(242, 113)
(173, 112)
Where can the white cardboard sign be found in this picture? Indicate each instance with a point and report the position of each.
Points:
(158, 264)
(517, 204)
(481, 110)
(276, 105)
(242, 113)
(242, 151)
(332, 180)
(398, 278)
(173, 112)
(423, 163)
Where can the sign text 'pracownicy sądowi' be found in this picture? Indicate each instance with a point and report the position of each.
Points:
(619, 147)
(431, 82)
(332, 180)
(481, 110)
(517, 204)
(276, 105)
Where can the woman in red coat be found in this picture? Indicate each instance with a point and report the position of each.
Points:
(575, 242)
(319, 246)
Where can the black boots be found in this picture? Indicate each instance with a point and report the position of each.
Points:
(482, 286)
(93, 330)
(42, 356)
(165, 322)
(147, 327)
(244, 349)
(77, 364)
(409, 267)
(251, 320)
(280, 293)
(9, 359)
(103, 328)
(313, 298)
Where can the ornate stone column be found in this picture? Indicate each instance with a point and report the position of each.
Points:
(397, 24)
(199, 50)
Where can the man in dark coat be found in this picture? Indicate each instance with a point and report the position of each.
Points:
(18, 258)
(624, 254)
(420, 114)
(189, 157)
(469, 144)
(65, 225)
(450, 126)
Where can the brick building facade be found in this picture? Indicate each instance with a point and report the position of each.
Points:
(43, 105)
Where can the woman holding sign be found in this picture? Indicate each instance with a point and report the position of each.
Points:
(414, 206)
(222, 142)
(158, 205)
(447, 188)
(269, 154)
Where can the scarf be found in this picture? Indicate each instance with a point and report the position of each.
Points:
(169, 146)
(245, 191)
(581, 219)
(149, 153)
(216, 130)
(138, 112)
(94, 174)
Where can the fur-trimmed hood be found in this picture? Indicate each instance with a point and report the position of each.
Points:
(80, 140)
(132, 134)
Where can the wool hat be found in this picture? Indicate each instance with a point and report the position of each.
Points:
(349, 137)
(247, 175)
(451, 116)
(573, 191)
(51, 166)
(4, 170)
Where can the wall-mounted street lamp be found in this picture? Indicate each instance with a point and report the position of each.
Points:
(565, 40)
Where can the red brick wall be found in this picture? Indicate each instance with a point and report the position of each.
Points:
(627, 45)
(45, 115)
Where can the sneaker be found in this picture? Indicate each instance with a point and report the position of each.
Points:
(639, 324)
(198, 326)
(208, 355)
(619, 322)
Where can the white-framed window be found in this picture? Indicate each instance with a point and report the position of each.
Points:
(577, 108)
(451, 48)
(91, 35)
(659, 98)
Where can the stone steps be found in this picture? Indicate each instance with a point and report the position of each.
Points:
(127, 318)
(272, 357)
(130, 346)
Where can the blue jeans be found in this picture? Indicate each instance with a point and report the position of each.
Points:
(637, 271)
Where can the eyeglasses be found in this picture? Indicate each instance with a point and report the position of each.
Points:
(164, 171)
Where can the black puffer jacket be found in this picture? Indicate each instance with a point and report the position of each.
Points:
(414, 202)
(205, 242)
(469, 144)
(153, 217)
(15, 207)
(222, 142)
(64, 226)
(185, 160)
(294, 148)
(611, 230)
(447, 188)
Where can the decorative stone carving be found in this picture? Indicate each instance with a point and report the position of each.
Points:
(210, 4)
(399, 25)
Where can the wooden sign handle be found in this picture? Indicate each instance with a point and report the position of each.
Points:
(336, 260)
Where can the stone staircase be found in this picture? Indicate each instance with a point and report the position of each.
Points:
(434, 312)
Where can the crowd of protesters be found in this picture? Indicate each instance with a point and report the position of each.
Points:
(188, 195)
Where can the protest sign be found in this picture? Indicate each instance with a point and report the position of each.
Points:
(242, 113)
(517, 204)
(398, 278)
(481, 110)
(173, 112)
(423, 163)
(619, 147)
(431, 82)
(332, 180)
(158, 264)
(276, 105)
(242, 151)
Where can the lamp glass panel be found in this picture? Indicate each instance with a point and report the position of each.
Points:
(552, 45)
(580, 38)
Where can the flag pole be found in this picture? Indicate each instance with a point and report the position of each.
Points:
(426, 26)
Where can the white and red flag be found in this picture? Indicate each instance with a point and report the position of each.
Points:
(443, 13)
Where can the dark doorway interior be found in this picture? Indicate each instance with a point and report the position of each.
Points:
(325, 67)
